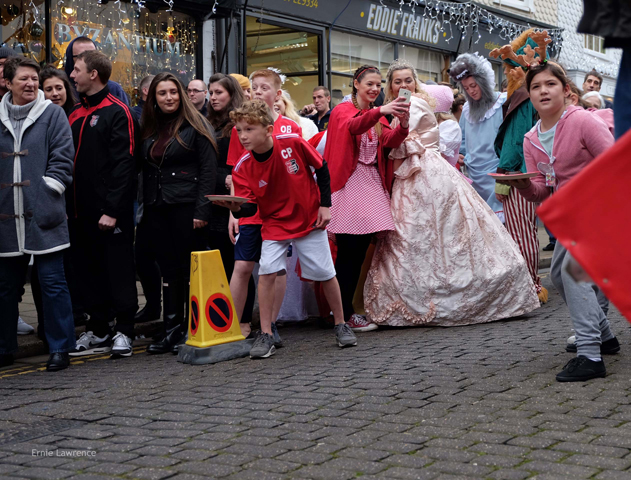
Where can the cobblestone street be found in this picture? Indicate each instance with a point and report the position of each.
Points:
(466, 402)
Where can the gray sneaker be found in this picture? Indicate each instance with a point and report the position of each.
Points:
(345, 336)
(278, 342)
(263, 346)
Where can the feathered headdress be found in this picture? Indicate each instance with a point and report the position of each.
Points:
(280, 74)
(528, 48)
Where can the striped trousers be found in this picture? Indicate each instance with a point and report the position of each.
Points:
(521, 222)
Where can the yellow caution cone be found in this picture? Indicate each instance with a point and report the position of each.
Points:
(214, 334)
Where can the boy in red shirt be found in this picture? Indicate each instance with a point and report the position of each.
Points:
(276, 173)
(246, 233)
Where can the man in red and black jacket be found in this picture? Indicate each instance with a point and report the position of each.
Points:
(100, 208)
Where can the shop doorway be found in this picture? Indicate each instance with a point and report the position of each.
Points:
(296, 52)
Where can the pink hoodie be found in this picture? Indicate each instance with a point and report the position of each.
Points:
(580, 137)
(606, 114)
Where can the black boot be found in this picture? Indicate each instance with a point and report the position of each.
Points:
(148, 313)
(6, 359)
(57, 361)
(173, 319)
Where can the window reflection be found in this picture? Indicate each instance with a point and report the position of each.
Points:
(22, 28)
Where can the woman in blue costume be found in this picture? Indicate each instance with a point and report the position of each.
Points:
(481, 119)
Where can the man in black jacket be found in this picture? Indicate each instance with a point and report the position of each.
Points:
(100, 208)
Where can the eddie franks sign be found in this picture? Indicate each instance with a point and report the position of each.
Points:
(402, 24)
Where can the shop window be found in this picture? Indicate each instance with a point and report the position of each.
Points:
(349, 52)
(429, 65)
(498, 70)
(138, 42)
(22, 28)
(341, 86)
(525, 5)
(594, 43)
(295, 53)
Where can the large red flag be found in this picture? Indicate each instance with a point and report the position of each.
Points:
(591, 217)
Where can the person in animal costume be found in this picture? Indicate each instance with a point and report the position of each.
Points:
(519, 118)
(481, 119)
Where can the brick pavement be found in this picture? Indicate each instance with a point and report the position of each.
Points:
(467, 402)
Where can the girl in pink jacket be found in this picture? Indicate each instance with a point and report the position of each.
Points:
(560, 145)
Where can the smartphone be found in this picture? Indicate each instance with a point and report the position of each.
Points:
(405, 93)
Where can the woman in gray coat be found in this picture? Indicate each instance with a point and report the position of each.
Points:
(36, 161)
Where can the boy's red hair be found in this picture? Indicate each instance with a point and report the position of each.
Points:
(269, 74)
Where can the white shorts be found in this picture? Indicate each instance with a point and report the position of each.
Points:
(313, 252)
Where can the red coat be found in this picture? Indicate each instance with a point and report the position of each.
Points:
(346, 126)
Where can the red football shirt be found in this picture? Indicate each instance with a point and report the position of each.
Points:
(282, 186)
(236, 151)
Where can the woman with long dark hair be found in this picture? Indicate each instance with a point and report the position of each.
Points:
(179, 167)
(225, 95)
(57, 88)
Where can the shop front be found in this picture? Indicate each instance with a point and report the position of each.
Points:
(138, 41)
(302, 37)
(322, 42)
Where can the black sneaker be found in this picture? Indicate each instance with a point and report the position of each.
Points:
(610, 347)
(263, 346)
(580, 369)
(549, 247)
(278, 342)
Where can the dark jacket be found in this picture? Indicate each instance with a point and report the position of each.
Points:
(204, 110)
(104, 132)
(37, 167)
(610, 19)
(519, 117)
(115, 88)
(220, 215)
(137, 110)
(323, 123)
(184, 175)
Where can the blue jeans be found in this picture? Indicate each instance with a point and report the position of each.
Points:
(622, 101)
(58, 319)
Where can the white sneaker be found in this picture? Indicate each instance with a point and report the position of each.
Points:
(359, 323)
(90, 344)
(122, 346)
(571, 340)
(24, 328)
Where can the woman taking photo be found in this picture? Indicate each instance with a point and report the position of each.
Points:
(361, 178)
(447, 250)
(564, 141)
(179, 167)
(57, 89)
(37, 139)
(226, 95)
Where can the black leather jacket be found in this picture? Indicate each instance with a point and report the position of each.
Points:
(183, 175)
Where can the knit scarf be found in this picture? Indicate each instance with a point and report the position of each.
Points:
(18, 113)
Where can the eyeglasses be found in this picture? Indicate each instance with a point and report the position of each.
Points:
(195, 91)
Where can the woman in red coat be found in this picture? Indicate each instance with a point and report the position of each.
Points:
(361, 178)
